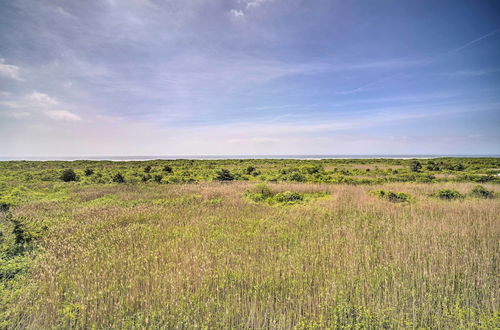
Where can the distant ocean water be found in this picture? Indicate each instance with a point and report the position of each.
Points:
(215, 157)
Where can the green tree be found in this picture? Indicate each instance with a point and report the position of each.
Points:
(68, 175)
(118, 178)
(249, 170)
(415, 166)
(224, 175)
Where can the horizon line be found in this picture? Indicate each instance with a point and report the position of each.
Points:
(234, 157)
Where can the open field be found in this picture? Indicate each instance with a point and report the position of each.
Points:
(314, 247)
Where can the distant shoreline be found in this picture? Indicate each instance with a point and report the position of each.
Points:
(232, 157)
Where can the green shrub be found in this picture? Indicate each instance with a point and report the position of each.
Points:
(224, 175)
(393, 197)
(118, 178)
(415, 166)
(4, 207)
(158, 178)
(167, 169)
(432, 166)
(313, 169)
(481, 192)
(448, 194)
(288, 197)
(486, 178)
(264, 190)
(68, 175)
(89, 172)
(296, 176)
(256, 197)
(397, 197)
(249, 170)
(259, 193)
(147, 169)
(262, 193)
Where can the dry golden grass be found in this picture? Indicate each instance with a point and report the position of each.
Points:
(191, 256)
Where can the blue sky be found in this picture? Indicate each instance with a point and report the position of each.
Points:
(249, 77)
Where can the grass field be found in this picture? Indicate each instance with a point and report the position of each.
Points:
(239, 254)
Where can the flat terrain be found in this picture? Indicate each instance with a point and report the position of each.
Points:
(320, 244)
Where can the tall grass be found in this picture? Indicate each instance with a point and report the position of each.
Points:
(193, 256)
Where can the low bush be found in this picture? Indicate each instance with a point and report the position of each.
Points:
(118, 178)
(249, 170)
(393, 197)
(448, 194)
(224, 175)
(68, 175)
(415, 166)
(262, 193)
(4, 207)
(296, 176)
(288, 197)
(481, 192)
(264, 190)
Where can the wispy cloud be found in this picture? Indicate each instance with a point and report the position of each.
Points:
(16, 114)
(9, 70)
(38, 99)
(242, 76)
(256, 3)
(470, 43)
(237, 13)
(246, 6)
(37, 103)
(405, 67)
(62, 115)
(372, 118)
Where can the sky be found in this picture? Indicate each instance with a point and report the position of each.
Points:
(249, 77)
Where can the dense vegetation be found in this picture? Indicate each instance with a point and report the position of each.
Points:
(250, 244)
(351, 171)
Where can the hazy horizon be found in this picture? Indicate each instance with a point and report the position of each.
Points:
(249, 77)
(221, 157)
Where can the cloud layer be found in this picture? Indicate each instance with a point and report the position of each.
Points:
(248, 77)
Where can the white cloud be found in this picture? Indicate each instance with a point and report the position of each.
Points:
(62, 115)
(32, 101)
(256, 3)
(250, 5)
(237, 13)
(17, 115)
(38, 103)
(41, 99)
(9, 70)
